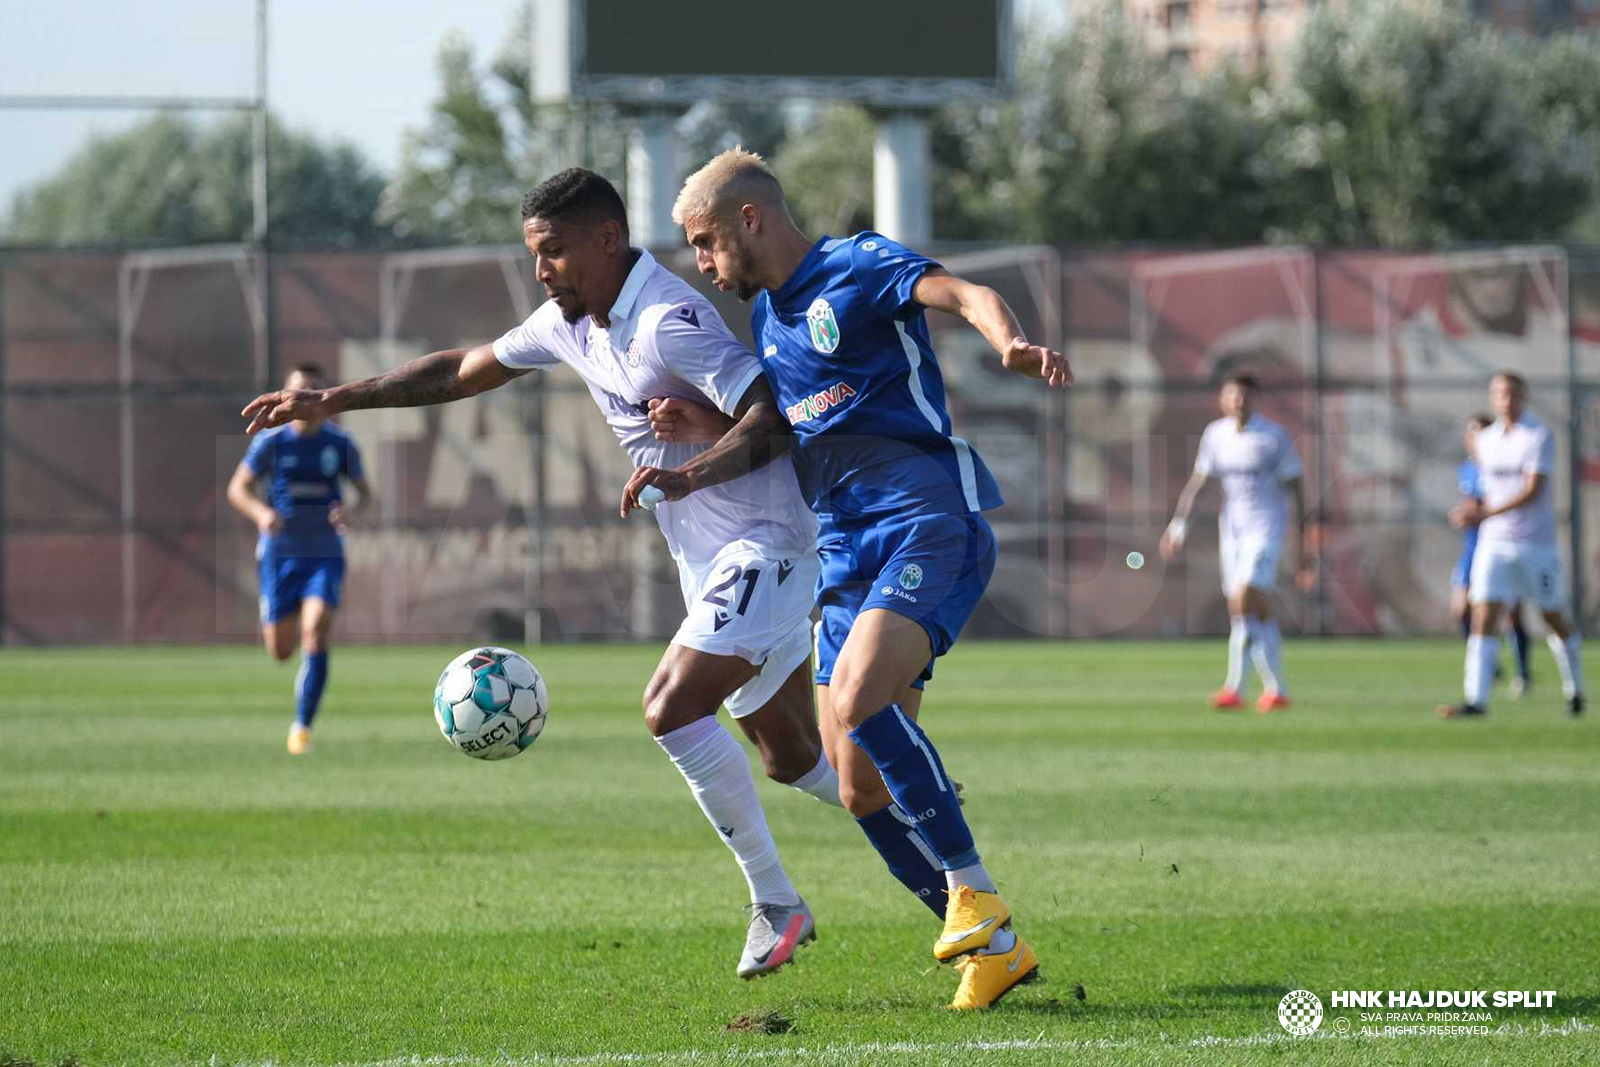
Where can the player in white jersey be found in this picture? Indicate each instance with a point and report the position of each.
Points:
(1259, 468)
(1516, 555)
(745, 548)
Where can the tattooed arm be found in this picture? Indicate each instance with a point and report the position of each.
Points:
(436, 378)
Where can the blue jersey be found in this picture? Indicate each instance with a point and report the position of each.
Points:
(303, 475)
(846, 350)
(1469, 484)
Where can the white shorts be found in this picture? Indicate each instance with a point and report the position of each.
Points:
(1504, 572)
(753, 603)
(1249, 561)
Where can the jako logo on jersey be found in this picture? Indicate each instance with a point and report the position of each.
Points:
(911, 576)
(813, 406)
(824, 327)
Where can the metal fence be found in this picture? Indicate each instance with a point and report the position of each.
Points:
(121, 376)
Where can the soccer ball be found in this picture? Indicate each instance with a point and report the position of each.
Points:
(490, 703)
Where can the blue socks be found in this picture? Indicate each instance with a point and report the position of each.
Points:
(308, 686)
(907, 855)
(916, 779)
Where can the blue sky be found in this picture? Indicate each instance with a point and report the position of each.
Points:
(356, 70)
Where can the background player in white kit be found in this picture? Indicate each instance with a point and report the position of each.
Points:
(1516, 557)
(745, 548)
(1260, 470)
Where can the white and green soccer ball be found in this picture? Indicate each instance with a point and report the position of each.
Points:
(490, 703)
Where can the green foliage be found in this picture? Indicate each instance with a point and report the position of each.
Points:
(463, 172)
(826, 167)
(171, 181)
(1425, 127)
(1396, 124)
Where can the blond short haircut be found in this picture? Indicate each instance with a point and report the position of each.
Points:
(730, 179)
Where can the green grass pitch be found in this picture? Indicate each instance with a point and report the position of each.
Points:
(174, 889)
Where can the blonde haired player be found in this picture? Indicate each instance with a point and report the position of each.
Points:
(1259, 467)
(905, 550)
(1516, 555)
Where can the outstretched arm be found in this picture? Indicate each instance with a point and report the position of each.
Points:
(760, 435)
(436, 378)
(989, 314)
(1173, 537)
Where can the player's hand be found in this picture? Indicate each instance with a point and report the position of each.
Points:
(674, 484)
(286, 405)
(1037, 360)
(1169, 546)
(336, 518)
(269, 523)
(1306, 576)
(1467, 513)
(678, 420)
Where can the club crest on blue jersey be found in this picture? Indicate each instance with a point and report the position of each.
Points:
(329, 459)
(911, 576)
(824, 327)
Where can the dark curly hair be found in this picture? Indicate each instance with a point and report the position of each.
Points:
(576, 194)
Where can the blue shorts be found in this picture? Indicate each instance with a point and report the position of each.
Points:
(932, 569)
(286, 581)
(1461, 574)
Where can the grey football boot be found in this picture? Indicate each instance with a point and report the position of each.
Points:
(776, 930)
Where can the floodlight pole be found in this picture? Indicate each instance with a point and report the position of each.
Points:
(902, 208)
(261, 219)
(652, 176)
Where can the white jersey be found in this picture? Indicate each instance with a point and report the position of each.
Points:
(666, 340)
(1252, 463)
(1506, 455)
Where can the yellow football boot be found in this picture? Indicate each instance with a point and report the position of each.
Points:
(985, 978)
(299, 740)
(970, 920)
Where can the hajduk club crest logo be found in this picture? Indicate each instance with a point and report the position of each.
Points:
(824, 327)
(1300, 1012)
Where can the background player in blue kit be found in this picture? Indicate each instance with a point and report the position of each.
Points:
(906, 553)
(1469, 484)
(300, 552)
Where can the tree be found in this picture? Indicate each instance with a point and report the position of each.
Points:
(1409, 124)
(1100, 143)
(170, 181)
(463, 172)
(826, 167)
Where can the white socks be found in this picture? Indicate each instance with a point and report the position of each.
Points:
(1266, 651)
(718, 773)
(1238, 643)
(1483, 651)
(1569, 661)
(821, 781)
(974, 876)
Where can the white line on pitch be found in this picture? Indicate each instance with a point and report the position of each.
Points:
(844, 1053)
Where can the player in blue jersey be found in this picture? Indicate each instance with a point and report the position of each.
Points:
(1469, 484)
(300, 552)
(905, 550)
